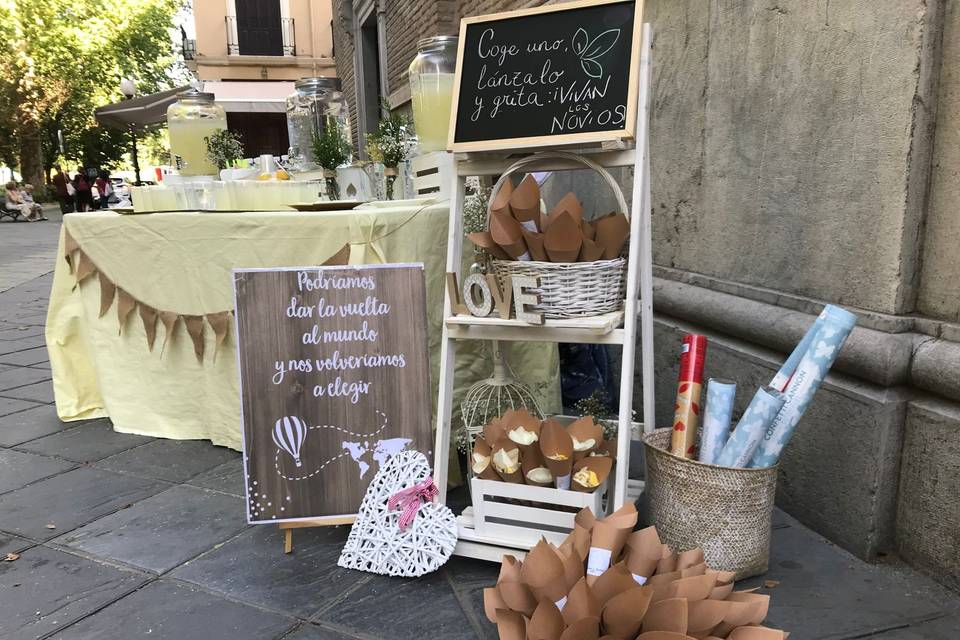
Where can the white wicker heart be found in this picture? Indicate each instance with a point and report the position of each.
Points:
(377, 545)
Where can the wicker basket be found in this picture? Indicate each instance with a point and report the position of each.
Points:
(725, 511)
(569, 289)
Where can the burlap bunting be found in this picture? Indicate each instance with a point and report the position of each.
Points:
(82, 268)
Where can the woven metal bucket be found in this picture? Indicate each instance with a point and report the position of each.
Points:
(724, 511)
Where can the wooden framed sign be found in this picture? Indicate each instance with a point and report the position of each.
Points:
(334, 380)
(554, 75)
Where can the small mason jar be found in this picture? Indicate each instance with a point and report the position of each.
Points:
(315, 105)
(431, 90)
(190, 120)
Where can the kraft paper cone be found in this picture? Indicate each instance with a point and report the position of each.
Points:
(511, 625)
(194, 325)
(756, 633)
(721, 591)
(663, 579)
(612, 582)
(583, 629)
(518, 597)
(562, 239)
(505, 448)
(341, 257)
(611, 233)
(589, 231)
(644, 553)
(508, 233)
(753, 613)
(148, 315)
(107, 292)
(586, 434)
(484, 471)
(695, 570)
(546, 622)
(85, 268)
(585, 519)
(623, 615)
(522, 428)
(494, 431)
(534, 242)
(664, 635)
(589, 251)
(542, 572)
(668, 561)
(169, 320)
(532, 459)
(125, 304)
(572, 565)
(704, 615)
(666, 615)
(544, 221)
(580, 539)
(525, 203)
(607, 448)
(220, 323)
(557, 449)
(571, 205)
(581, 603)
(608, 537)
(484, 240)
(491, 602)
(501, 199)
(599, 465)
(692, 588)
(689, 558)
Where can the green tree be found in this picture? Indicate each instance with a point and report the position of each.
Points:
(60, 59)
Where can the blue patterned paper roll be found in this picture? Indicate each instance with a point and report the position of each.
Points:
(818, 359)
(790, 365)
(750, 430)
(716, 418)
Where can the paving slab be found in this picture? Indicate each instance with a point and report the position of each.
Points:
(162, 531)
(227, 478)
(86, 442)
(22, 344)
(825, 592)
(21, 427)
(473, 604)
(13, 377)
(12, 544)
(46, 590)
(36, 392)
(71, 500)
(18, 332)
(171, 460)
(171, 611)
(467, 573)
(404, 608)
(29, 357)
(253, 568)
(12, 405)
(313, 632)
(945, 628)
(18, 469)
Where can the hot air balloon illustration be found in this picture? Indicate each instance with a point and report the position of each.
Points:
(288, 434)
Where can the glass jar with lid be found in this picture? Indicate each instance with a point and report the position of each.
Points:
(431, 90)
(315, 105)
(191, 119)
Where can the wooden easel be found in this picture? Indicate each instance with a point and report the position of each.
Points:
(621, 329)
(288, 527)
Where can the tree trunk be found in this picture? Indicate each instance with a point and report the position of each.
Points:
(31, 157)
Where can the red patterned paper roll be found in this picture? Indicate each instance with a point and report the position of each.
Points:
(686, 420)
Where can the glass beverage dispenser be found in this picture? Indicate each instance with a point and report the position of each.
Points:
(431, 90)
(191, 119)
(315, 104)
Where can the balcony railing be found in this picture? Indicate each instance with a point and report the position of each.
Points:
(255, 37)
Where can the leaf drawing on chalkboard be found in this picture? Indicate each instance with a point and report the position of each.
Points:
(588, 51)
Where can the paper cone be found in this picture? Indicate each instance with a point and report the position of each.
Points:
(571, 205)
(544, 221)
(704, 615)
(505, 449)
(511, 625)
(663, 579)
(758, 605)
(557, 449)
(518, 597)
(689, 558)
(580, 538)
(607, 448)
(599, 465)
(562, 239)
(623, 615)
(611, 233)
(586, 434)
(525, 203)
(522, 428)
(583, 629)
(757, 633)
(663, 635)
(666, 615)
(482, 468)
(692, 588)
(532, 461)
(491, 602)
(542, 571)
(585, 518)
(501, 199)
(509, 570)
(149, 317)
(508, 233)
(580, 603)
(589, 231)
(668, 561)
(695, 570)
(644, 552)
(608, 537)
(494, 431)
(484, 240)
(107, 292)
(572, 567)
(612, 582)
(589, 251)
(534, 242)
(546, 622)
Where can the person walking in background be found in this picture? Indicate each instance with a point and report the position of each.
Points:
(27, 194)
(104, 188)
(63, 189)
(84, 196)
(15, 202)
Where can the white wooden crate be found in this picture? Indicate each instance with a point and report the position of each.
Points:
(527, 524)
(432, 174)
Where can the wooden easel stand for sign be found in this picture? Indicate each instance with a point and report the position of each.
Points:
(621, 327)
(288, 527)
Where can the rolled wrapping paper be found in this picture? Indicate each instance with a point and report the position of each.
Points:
(589, 251)
(485, 241)
(587, 436)
(535, 472)
(748, 433)
(571, 205)
(721, 394)
(546, 622)
(562, 239)
(542, 571)
(686, 419)
(481, 460)
(782, 377)
(525, 203)
(590, 473)
(501, 199)
(557, 449)
(608, 537)
(508, 233)
(534, 242)
(506, 461)
(813, 367)
(581, 603)
(612, 232)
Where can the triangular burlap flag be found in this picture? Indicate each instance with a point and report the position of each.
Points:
(194, 326)
(220, 323)
(107, 291)
(125, 304)
(340, 257)
(85, 268)
(169, 320)
(69, 246)
(149, 316)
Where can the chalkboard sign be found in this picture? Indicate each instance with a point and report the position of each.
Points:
(552, 75)
(334, 379)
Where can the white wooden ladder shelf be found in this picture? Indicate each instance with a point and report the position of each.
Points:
(620, 327)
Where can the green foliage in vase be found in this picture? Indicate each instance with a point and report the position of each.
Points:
(391, 143)
(331, 148)
(223, 147)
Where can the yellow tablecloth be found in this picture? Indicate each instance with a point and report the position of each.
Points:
(181, 262)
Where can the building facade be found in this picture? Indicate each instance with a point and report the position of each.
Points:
(800, 156)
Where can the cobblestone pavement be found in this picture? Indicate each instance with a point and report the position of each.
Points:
(121, 536)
